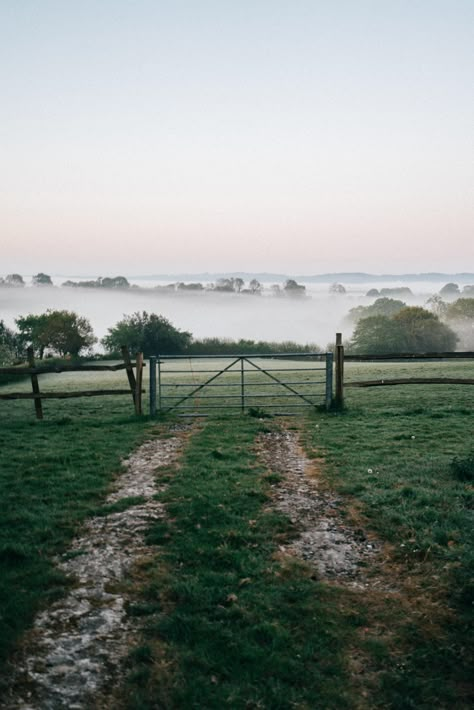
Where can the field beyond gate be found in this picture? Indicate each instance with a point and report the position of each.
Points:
(278, 383)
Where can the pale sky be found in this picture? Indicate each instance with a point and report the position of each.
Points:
(298, 136)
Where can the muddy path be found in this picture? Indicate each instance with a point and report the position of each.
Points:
(326, 539)
(73, 655)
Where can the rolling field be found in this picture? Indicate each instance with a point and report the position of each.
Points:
(400, 459)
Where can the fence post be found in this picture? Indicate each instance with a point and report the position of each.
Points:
(242, 385)
(329, 387)
(159, 383)
(129, 369)
(152, 385)
(139, 379)
(35, 385)
(339, 400)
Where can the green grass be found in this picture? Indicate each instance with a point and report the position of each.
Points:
(53, 474)
(239, 627)
(402, 457)
(228, 621)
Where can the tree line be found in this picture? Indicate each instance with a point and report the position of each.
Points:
(386, 326)
(66, 334)
(222, 285)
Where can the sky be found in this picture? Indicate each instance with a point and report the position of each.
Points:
(304, 136)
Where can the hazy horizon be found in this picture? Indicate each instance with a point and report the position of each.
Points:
(314, 319)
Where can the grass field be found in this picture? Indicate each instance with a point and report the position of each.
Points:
(288, 640)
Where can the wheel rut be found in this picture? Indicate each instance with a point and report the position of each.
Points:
(73, 656)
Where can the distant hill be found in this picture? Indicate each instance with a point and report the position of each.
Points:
(344, 277)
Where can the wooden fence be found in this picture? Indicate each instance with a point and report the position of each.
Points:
(341, 357)
(134, 380)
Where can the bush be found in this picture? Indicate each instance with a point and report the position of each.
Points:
(223, 346)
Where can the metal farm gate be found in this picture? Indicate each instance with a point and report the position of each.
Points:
(278, 383)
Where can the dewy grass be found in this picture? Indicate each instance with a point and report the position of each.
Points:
(238, 627)
(229, 621)
(53, 474)
(391, 454)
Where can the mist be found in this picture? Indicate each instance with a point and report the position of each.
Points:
(314, 318)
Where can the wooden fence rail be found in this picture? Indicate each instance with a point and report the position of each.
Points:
(135, 381)
(341, 358)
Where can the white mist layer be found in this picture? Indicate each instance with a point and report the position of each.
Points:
(311, 319)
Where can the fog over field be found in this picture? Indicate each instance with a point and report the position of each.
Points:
(311, 319)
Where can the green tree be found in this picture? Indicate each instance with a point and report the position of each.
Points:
(381, 307)
(8, 344)
(32, 333)
(64, 332)
(460, 310)
(376, 335)
(423, 331)
(148, 333)
(412, 329)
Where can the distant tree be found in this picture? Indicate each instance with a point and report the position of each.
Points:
(292, 288)
(238, 284)
(148, 333)
(468, 290)
(337, 288)
(14, 280)
(436, 305)
(412, 329)
(114, 282)
(255, 286)
(64, 332)
(449, 289)
(380, 307)
(276, 290)
(42, 280)
(373, 292)
(189, 287)
(460, 310)
(400, 291)
(224, 284)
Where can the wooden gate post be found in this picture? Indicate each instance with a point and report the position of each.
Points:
(339, 399)
(129, 369)
(152, 377)
(329, 368)
(35, 385)
(138, 390)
